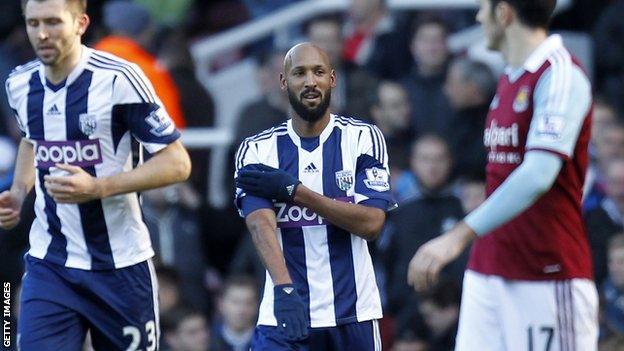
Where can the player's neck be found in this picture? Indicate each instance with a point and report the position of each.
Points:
(307, 129)
(520, 44)
(58, 72)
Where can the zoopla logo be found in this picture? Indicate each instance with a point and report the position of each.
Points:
(295, 216)
(82, 153)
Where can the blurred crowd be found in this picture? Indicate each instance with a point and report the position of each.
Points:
(394, 69)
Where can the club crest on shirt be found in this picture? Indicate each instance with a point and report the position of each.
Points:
(344, 180)
(377, 179)
(87, 123)
(521, 102)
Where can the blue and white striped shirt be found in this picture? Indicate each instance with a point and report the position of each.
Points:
(89, 120)
(331, 268)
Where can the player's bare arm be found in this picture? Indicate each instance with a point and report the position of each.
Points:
(23, 181)
(363, 221)
(168, 166)
(262, 225)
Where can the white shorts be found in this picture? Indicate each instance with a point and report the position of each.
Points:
(518, 315)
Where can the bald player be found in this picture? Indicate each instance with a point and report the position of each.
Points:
(313, 190)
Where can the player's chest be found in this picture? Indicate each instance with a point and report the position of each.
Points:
(327, 171)
(509, 116)
(73, 113)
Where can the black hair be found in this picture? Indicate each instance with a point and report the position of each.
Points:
(532, 13)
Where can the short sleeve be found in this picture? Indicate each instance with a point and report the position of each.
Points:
(561, 101)
(372, 176)
(246, 157)
(20, 124)
(137, 109)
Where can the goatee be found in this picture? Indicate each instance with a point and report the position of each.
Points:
(306, 113)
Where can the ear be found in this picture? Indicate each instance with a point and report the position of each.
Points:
(504, 13)
(333, 79)
(283, 84)
(83, 23)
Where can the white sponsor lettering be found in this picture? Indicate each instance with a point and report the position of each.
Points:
(296, 214)
(501, 136)
(68, 153)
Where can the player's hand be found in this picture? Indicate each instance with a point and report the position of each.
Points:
(430, 258)
(290, 312)
(77, 187)
(10, 209)
(267, 182)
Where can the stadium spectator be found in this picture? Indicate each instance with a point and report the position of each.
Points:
(374, 39)
(425, 81)
(604, 116)
(169, 284)
(172, 216)
(440, 310)
(469, 87)
(418, 219)
(391, 114)
(245, 261)
(609, 145)
(131, 33)
(609, 53)
(348, 97)
(430, 168)
(608, 218)
(197, 104)
(471, 191)
(238, 310)
(272, 106)
(185, 329)
(613, 286)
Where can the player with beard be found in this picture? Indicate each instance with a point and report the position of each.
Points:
(313, 191)
(529, 283)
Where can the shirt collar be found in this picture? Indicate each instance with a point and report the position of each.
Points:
(324, 134)
(539, 55)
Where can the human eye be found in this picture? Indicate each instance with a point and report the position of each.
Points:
(53, 21)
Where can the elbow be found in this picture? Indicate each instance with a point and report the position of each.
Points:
(543, 184)
(182, 166)
(373, 227)
(185, 167)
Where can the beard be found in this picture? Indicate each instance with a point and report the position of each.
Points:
(309, 114)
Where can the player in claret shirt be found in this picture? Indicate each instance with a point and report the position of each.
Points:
(313, 190)
(89, 263)
(529, 283)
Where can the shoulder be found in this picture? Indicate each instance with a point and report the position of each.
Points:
(25, 69)
(360, 132)
(104, 61)
(353, 124)
(563, 70)
(22, 72)
(17, 83)
(267, 134)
